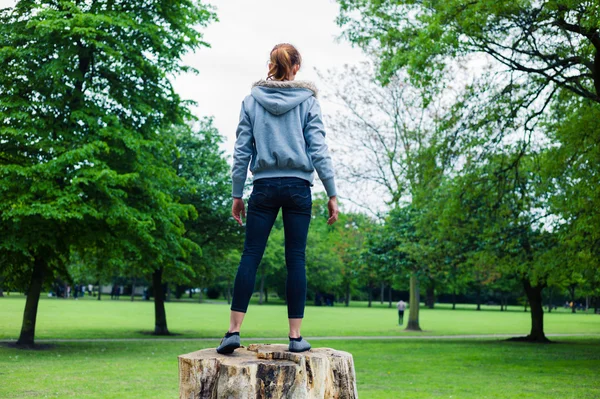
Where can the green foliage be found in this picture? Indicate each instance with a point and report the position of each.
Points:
(85, 99)
(551, 41)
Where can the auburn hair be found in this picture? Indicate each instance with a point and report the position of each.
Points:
(284, 57)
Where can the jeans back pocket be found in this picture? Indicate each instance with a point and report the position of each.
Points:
(301, 196)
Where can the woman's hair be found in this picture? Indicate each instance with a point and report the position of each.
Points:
(283, 58)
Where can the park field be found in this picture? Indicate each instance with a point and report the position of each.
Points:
(91, 364)
(89, 318)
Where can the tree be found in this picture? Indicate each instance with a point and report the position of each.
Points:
(84, 98)
(398, 144)
(549, 43)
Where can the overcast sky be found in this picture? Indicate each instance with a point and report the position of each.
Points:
(240, 45)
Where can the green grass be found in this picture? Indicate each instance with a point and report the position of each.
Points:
(485, 368)
(59, 318)
(387, 369)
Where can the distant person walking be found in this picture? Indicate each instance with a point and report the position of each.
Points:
(401, 305)
(281, 136)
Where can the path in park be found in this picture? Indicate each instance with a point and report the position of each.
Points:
(351, 337)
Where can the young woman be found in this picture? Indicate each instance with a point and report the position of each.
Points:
(281, 136)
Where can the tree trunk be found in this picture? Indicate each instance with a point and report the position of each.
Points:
(266, 294)
(347, 295)
(382, 293)
(534, 295)
(229, 292)
(133, 289)
(99, 290)
(33, 298)
(370, 294)
(454, 299)
(572, 292)
(596, 303)
(549, 300)
(1, 292)
(478, 296)
(413, 315)
(262, 288)
(431, 294)
(390, 296)
(267, 371)
(160, 315)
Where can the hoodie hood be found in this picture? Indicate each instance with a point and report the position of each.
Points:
(278, 97)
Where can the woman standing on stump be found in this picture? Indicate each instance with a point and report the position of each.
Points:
(281, 136)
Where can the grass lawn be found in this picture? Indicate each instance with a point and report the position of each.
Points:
(486, 368)
(88, 318)
(386, 369)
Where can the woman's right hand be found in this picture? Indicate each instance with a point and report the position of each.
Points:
(332, 207)
(238, 210)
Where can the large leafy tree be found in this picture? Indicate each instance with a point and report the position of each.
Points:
(85, 96)
(553, 42)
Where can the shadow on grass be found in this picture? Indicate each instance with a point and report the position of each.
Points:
(151, 333)
(35, 347)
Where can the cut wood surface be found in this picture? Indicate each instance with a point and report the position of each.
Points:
(267, 371)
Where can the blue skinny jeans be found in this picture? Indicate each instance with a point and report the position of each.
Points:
(293, 196)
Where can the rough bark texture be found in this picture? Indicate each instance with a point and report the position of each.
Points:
(264, 371)
(160, 316)
(31, 305)
(413, 315)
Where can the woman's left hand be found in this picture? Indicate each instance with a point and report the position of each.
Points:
(238, 210)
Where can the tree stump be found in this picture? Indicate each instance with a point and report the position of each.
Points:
(267, 371)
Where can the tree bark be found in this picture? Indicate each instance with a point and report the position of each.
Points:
(478, 296)
(382, 293)
(99, 290)
(38, 274)
(390, 296)
(413, 315)
(370, 294)
(534, 295)
(266, 294)
(1, 292)
(267, 371)
(549, 300)
(160, 315)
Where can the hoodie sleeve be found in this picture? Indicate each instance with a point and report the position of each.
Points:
(314, 134)
(242, 153)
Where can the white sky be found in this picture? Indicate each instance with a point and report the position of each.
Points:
(240, 45)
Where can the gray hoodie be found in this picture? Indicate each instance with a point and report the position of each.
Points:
(281, 134)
